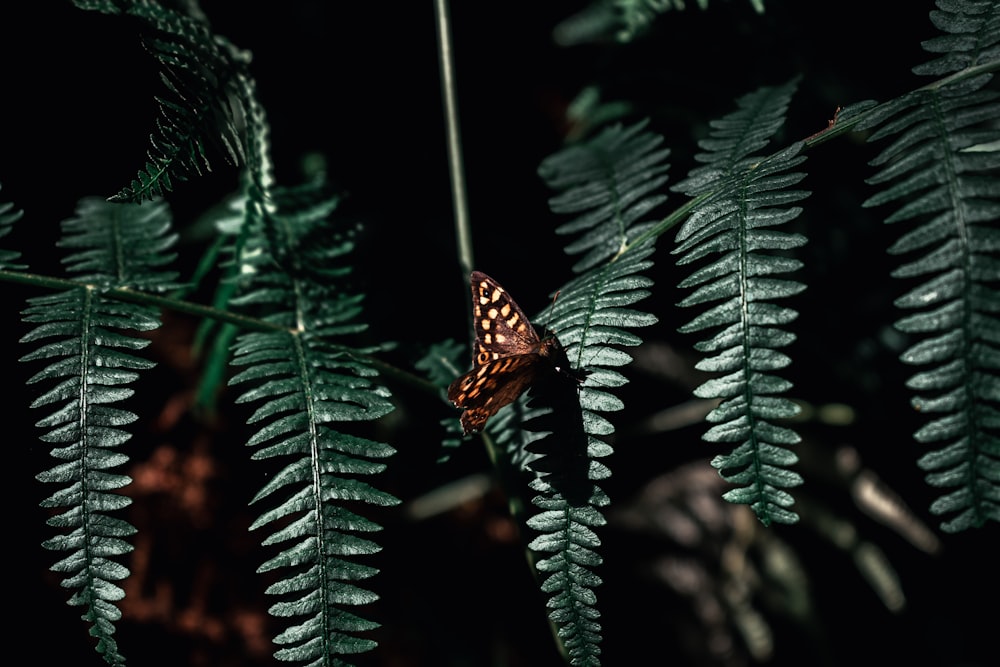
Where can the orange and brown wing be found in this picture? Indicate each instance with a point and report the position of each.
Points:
(502, 329)
(507, 358)
(490, 386)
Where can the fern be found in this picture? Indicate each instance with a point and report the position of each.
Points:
(441, 364)
(612, 179)
(282, 313)
(243, 220)
(91, 359)
(207, 102)
(748, 197)
(8, 216)
(609, 184)
(622, 20)
(637, 15)
(304, 383)
(943, 169)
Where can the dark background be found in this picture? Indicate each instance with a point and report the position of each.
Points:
(358, 83)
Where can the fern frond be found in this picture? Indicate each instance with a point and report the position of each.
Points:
(734, 227)
(623, 20)
(591, 322)
(8, 216)
(942, 170)
(638, 15)
(304, 384)
(203, 106)
(91, 357)
(134, 241)
(441, 364)
(610, 183)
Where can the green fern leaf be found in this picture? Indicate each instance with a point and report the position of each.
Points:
(734, 230)
(942, 170)
(206, 103)
(442, 363)
(610, 183)
(304, 384)
(90, 359)
(239, 220)
(8, 216)
(623, 20)
(610, 209)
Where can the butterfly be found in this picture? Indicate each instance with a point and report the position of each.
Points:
(509, 355)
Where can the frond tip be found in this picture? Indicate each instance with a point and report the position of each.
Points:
(611, 183)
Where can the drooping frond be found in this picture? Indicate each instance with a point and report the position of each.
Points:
(90, 352)
(592, 315)
(305, 383)
(733, 230)
(205, 105)
(609, 183)
(8, 216)
(942, 170)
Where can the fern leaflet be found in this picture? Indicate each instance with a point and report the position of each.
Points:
(205, 105)
(304, 383)
(91, 357)
(610, 183)
(612, 179)
(749, 196)
(8, 216)
(621, 20)
(943, 170)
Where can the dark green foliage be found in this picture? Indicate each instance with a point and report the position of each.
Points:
(207, 103)
(91, 358)
(611, 182)
(942, 170)
(622, 20)
(8, 216)
(607, 182)
(749, 195)
(304, 383)
(442, 363)
(284, 326)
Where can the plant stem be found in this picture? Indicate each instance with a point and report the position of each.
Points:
(455, 166)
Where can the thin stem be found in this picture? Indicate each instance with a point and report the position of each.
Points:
(670, 221)
(455, 167)
(146, 298)
(243, 322)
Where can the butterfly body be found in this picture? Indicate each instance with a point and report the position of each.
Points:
(509, 355)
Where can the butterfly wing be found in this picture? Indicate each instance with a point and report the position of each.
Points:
(507, 358)
(502, 328)
(490, 386)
